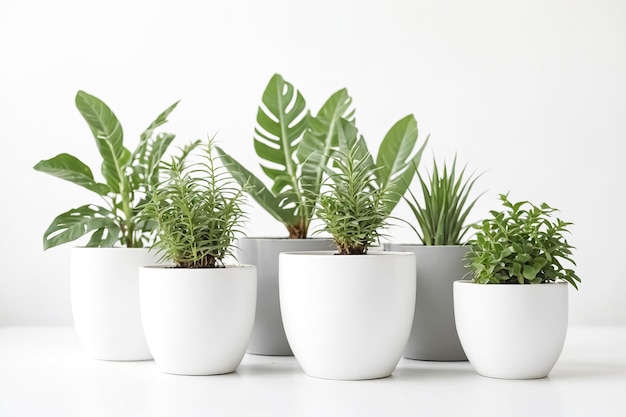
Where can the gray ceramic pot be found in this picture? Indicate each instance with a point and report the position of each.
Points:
(434, 336)
(268, 334)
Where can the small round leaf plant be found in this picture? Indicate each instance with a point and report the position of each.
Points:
(127, 176)
(196, 208)
(521, 244)
(361, 193)
(441, 216)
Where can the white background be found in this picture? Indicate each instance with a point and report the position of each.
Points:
(533, 93)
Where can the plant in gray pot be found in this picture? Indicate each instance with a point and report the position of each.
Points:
(440, 217)
(197, 312)
(104, 283)
(512, 317)
(348, 313)
(293, 146)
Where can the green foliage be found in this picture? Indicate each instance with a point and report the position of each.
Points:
(127, 179)
(442, 215)
(196, 208)
(362, 193)
(521, 244)
(293, 147)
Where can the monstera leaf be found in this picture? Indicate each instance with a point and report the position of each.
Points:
(318, 141)
(293, 148)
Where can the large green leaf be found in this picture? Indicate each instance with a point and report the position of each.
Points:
(318, 140)
(146, 157)
(107, 131)
(77, 222)
(70, 168)
(255, 188)
(395, 160)
(349, 140)
(281, 121)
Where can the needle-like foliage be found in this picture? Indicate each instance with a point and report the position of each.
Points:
(445, 205)
(521, 244)
(354, 207)
(197, 209)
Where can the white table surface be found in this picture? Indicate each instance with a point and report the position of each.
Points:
(44, 372)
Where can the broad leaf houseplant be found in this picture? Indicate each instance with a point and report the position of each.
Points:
(197, 311)
(104, 285)
(293, 147)
(440, 207)
(512, 316)
(348, 313)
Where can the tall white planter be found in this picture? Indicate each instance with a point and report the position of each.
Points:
(433, 336)
(347, 317)
(198, 321)
(268, 335)
(105, 301)
(511, 331)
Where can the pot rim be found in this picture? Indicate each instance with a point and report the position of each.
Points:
(334, 253)
(282, 238)
(426, 246)
(511, 285)
(172, 267)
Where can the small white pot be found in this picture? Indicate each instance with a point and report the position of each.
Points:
(511, 331)
(104, 289)
(347, 316)
(197, 321)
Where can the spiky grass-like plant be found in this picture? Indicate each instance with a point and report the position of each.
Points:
(197, 209)
(442, 215)
(354, 207)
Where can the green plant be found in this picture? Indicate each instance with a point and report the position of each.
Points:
(442, 215)
(127, 178)
(521, 244)
(362, 193)
(196, 208)
(293, 147)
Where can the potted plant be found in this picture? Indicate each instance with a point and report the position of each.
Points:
(512, 317)
(197, 312)
(348, 314)
(293, 146)
(440, 223)
(103, 273)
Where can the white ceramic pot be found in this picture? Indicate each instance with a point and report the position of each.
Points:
(347, 316)
(433, 336)
(511, 331)
(105, 301)
(198, 321)
(268, 334)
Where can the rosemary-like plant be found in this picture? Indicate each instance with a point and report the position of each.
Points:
(354, 208)
(521, 244)
(197, 209)
(442, 215)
